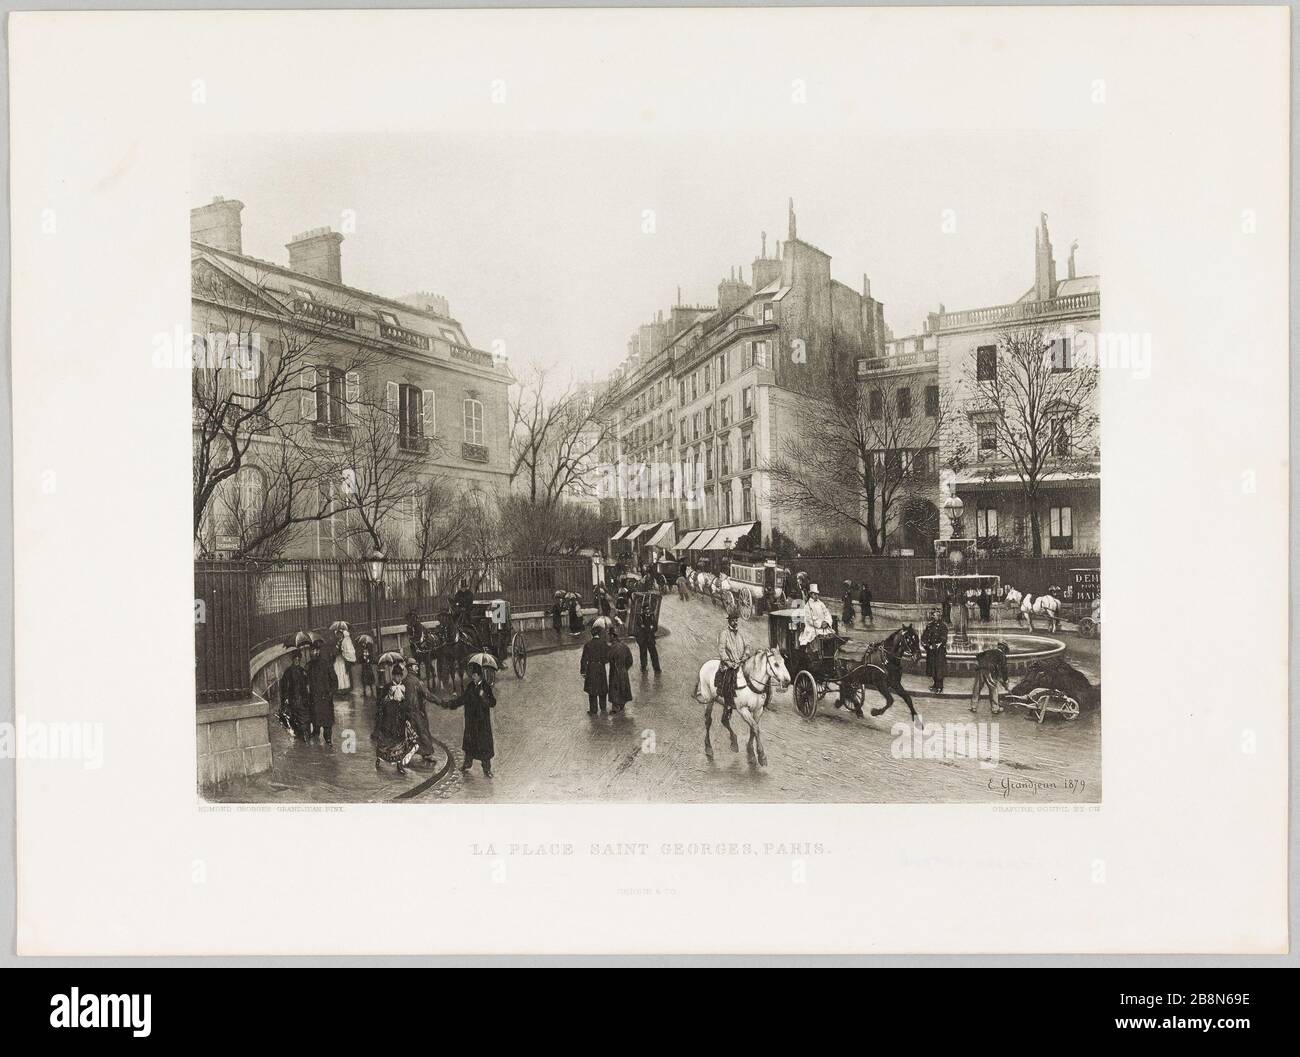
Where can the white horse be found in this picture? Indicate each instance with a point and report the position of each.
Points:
(1043, 605)
(760, 674)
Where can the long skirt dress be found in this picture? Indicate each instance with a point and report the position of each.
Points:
(620, 687)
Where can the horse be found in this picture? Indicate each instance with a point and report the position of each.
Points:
(759, 672)
(1044, 605)
(886, 673)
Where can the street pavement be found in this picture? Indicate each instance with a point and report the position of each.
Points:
(548, 749)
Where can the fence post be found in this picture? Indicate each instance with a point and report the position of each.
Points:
(306, 574)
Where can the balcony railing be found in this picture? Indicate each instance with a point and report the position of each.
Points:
(1023, 311)
(474, 356)
(403, 336)
(325, 313)
(872, 364)
(474, 452)
(331, 430)
(410, 442)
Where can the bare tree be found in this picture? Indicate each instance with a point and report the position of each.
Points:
(253, 372)
(555, 436)
(861, 451)
(1031, 411)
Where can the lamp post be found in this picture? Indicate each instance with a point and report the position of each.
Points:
(374, 567)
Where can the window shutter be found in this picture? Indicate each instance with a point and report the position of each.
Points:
(429, 408)
(352, 392)
(307, 402)
(394, 404)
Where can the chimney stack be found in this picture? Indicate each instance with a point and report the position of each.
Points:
(1073, 246)
(866, 287)
(217, 224)
(316, 253)
(427, 302)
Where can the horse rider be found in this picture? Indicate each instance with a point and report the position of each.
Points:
(733, 650)
(816, 618)
(990, 670)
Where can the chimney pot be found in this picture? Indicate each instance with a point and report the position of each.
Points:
(317, 253)
(217, 224)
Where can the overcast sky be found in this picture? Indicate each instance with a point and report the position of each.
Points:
(537, 240)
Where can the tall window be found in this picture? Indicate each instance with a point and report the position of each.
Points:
(1061, 435)
(708, 463)
(724, 412)
(415, 411)
(683, 425)
(695, 384)
(986, 521)
(987, 434)
(472, 415)
(769, 314)
(747, 402)
(727, 512)
(722, 368)
(708, 419)
(1061, 355)
(1060, 528)
(681, 391)
(904, 403)
(986, 363)
(331, 396)
(695, 426)
(746, 451)
(758, 353)
(875, 404)
(707, 371)
(724, 451)
(747, 499)
(932, 401)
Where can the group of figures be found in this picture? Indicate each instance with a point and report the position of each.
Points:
(990, 664)
(607, 659)
(401, 728)
(308, 686)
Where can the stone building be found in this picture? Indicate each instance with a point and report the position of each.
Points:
(443, 401)
(714, 391)
(1067, 314)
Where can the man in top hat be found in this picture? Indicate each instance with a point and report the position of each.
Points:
(733, 648)
(990, 670)
(645, 637)
(816, 618)
(591, 666)
(935, 640)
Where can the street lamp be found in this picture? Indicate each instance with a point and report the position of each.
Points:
(374, 567)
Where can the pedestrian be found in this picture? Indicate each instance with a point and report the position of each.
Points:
(320, 691)
(575, 614)
(620, 663)
(345, 656)
(985, 604)
(478, 700)
(295, 696)
(935, 640)
(591, 667)
(646, 630)
(990, 670)
(846, 615)
(401, 723)
(603, 604)
(864, 601)
(557, 613)
(366, 662)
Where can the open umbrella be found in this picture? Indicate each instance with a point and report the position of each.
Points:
(339, 625)
(602, 622)
(484, 660)
(364, 639)
(392, 657)
(572, 596)
(302, 639)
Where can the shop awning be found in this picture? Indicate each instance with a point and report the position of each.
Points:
(687, 542)
(702, 540)
(726, 538)
(664, 536)
(620, 534)
(631, 537)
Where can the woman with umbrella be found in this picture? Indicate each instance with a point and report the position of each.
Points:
(295, 692)
(620, 663)
(345, 654)
(575, 614)
(366, 659)
(557, 613)
(401, 725)
(478, 700)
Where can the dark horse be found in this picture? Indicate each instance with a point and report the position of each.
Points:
(882, 670)
(452, 643)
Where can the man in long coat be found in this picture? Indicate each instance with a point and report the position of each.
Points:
(478, 700)
(645, 637)
(846, 614)
(595, 682)
(320, 688)
(864, 601)
(295, 697)
(620, 662)
(935, 640)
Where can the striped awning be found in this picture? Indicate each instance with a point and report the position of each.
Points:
(634, 533)
(687, 542)
(664, 536)
(620, 533)
(726, 538)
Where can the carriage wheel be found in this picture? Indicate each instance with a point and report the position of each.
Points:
(1069, 708)
(519, 654)
(856, 697)
(805, 694)
(1087, 627)
(746, 604)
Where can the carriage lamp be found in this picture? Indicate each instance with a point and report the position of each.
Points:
(954, 508)
(375, 566)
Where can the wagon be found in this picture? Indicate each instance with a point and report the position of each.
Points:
(643, 610)
(826, 665)
(1043, 699)
(491, 628)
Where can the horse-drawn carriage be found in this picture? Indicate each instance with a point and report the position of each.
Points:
(832, 663)
(491, 628)
(487, 627)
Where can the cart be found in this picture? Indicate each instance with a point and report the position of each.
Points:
(643, 610)
(828, 664)
(1043, 699)
(491, 628)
